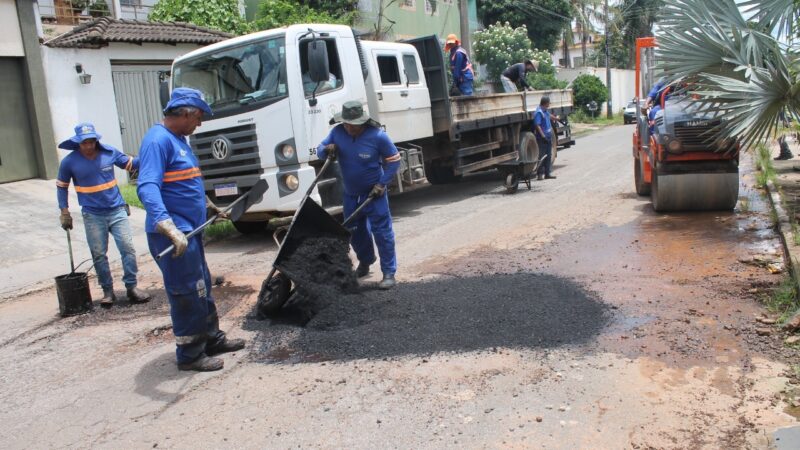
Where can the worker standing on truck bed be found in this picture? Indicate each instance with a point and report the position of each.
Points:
(516, 75)
(543, 130)
(90, 166)
(369, 161)
(460, 66)
(171, 189)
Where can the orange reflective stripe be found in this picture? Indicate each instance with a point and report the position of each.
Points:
(180, 175)
(97, 188)
(393, 158)
(63, 184)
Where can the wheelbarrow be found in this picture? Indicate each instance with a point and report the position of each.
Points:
(524, 167)
(309, 221)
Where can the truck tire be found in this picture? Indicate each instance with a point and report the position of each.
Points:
(528, 149)
(250, 227)
(642, 188)
(436, 173)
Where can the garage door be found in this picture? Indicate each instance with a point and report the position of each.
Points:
(17, 159)
(138, 104)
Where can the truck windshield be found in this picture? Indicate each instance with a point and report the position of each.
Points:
(243, 75)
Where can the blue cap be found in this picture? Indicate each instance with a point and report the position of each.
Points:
(83, 131)
(187, 97)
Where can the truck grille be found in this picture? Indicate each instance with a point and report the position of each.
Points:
(242, 160)
(697, 136)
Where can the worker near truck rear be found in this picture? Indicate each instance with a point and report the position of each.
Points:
(516, 74)
(171, 188)
(543, 130)
(90, 167)
(369, 161)
(460, 66)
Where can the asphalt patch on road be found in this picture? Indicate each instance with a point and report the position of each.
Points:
(521, 310)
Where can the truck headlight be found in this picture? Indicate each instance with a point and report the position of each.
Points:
(291, 182)
(674, 145)
(287, 151)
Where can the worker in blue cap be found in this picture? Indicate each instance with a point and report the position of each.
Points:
(90, 166)
(171, 188)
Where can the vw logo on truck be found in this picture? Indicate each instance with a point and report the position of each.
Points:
(219, 148)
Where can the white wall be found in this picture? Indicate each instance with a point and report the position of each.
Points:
(622, 83)
(72, 102)
(10, 36)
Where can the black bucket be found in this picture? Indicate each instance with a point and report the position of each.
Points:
(74, 296)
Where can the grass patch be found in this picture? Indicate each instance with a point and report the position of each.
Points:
(764, 164)
(129, 194)
(744, 204)
(601, 120)
(783, 299)
(219, 230)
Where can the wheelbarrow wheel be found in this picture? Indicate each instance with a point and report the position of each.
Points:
(273, 295)
(512, 182)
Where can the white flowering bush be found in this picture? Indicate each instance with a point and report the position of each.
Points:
(500, 46)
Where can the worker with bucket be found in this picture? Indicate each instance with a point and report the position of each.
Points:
(369, 161)
(90, 166)
(171, 188)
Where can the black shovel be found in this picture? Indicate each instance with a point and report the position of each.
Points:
(236, 209)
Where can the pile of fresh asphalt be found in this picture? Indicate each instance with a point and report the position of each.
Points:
(522, 310)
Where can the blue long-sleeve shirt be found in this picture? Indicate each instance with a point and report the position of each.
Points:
(170, 184)
(460, 67)
(93, 179)
(366, 160)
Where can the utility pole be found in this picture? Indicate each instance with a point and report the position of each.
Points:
(464, 18)
(609, 112)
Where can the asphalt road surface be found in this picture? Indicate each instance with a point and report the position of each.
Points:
(567, 316)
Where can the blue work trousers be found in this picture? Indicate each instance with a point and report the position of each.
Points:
(374, 221)
(98, 227)
(545, 149)
(195, 322)
(465, 86)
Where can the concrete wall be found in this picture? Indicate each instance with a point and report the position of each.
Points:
(72, 102)
(10, 36)
(622, 83)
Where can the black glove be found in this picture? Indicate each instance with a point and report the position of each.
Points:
(332, 151)
(66, 221)
(377, 190)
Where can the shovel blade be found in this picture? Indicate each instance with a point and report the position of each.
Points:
(254, 195)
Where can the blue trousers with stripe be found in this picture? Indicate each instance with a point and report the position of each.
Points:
(373, 222)
(187, 281)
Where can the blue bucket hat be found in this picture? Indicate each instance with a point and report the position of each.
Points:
(187, 97)
(83, 131)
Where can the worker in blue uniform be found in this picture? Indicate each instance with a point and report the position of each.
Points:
(369, 161)
(171, 188)
(543, 130)
(460, 66)
(90, 166)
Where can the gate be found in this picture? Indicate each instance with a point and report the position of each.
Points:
(17, 157)
(136, 90)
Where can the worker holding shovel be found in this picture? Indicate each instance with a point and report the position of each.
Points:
(90, 167)
(171, 189)
(369, 161)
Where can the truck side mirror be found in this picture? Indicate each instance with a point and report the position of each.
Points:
(163, 93)
(318, 69)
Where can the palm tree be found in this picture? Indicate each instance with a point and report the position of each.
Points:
(586, 14)
(637, 18)
(747, 71)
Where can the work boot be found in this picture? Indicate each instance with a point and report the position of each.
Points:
(387, 282)
(785, 152)
(226, 346)
(362, 270)
(136, 295)
(108, 298)
(540, 177)
(549, 177)
(203, 364)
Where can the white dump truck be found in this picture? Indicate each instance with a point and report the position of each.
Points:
(274, 94)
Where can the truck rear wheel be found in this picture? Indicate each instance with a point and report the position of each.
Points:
(250, 227)
(642, 188)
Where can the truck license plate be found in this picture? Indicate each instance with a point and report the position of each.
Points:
(226, 189)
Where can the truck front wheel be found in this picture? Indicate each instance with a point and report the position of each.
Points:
(250, 227)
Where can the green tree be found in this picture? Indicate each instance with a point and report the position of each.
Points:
(279, 13)
(221, 15)
(637, 18)
(739, 69)
(545, 77)
(618, 50)
(544, 19)
(588, 88)
(585, 13)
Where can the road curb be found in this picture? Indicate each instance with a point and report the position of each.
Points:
(786, 232)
